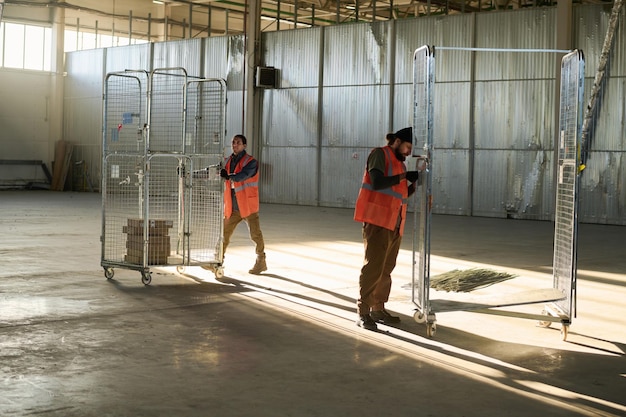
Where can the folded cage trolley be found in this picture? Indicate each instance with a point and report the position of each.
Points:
(162, 196)
(560, 300)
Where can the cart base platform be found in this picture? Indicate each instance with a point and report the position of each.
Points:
(497, 300)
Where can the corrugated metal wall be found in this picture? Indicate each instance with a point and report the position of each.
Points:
(82, 116)
(603, 182)
(290, 118)
(342, 88)
(514, 116)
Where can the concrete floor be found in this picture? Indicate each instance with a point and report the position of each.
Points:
(73, 343)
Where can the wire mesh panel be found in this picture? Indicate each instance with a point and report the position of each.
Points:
(423, 82)
(122, 197)
(206, 118)
(205, 242)
(155, 213)
(124, 145)
(125, 112)
(167, 100)
(566, 229)
(205, 130)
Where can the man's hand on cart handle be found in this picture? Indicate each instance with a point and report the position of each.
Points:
(422, 163)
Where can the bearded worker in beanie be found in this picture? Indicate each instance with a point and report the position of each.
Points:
(381, 206)
(241, 198)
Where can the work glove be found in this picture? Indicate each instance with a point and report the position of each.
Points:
(224, 174)
(412, 176)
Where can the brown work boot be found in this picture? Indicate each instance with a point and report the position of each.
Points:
(259, 265)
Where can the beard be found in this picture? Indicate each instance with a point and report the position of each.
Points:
(400, 157)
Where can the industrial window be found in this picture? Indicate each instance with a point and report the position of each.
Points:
(25, 46)
(78, 41)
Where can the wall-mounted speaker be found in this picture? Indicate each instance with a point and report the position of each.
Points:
(266, 77)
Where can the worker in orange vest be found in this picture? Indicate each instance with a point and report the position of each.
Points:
(381, 207)
(241, 198)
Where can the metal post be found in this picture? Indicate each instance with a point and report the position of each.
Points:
(209, 21)
(190, 20)
(373, 10)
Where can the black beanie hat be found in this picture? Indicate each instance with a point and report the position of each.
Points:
(405, 135)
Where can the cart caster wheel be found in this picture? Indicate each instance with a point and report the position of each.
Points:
(431, 329)
(564, 330)
(219, 272)
(419, 317)
(108, 273)
(545, 323)
(146, 278)
(180, 269)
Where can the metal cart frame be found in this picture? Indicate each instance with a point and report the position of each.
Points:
(559, 301)
(162, 196)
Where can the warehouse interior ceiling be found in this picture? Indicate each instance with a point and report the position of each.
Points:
(163, 20)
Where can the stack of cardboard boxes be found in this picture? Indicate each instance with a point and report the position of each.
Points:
(158, 241)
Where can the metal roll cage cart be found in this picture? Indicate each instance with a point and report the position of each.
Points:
(560, 300)
(162, 150)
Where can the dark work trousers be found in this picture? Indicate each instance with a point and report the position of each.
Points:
(254, 227)
(381, 251)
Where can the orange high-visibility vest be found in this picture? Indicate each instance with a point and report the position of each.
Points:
(382, 207)
(246, 191)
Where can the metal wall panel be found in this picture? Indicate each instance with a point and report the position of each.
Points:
(608, 132)
(290, 117)
(234, 120)
(183, 54)
(602, 184)
(341, 175)
(520, 30)
(82, 118)
(603, 189)
(450, 31)
(451, 114)
(451, 182)
(514, 114)
(132, 57)
(513, 184)
(357, 54)
(402, 106)
(355, 116)
(215, 57)
(296, 55)
(289, 176)
(589, 30)
(85, 73)
(235, 79)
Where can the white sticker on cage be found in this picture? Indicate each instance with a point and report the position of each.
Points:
(115, 171)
